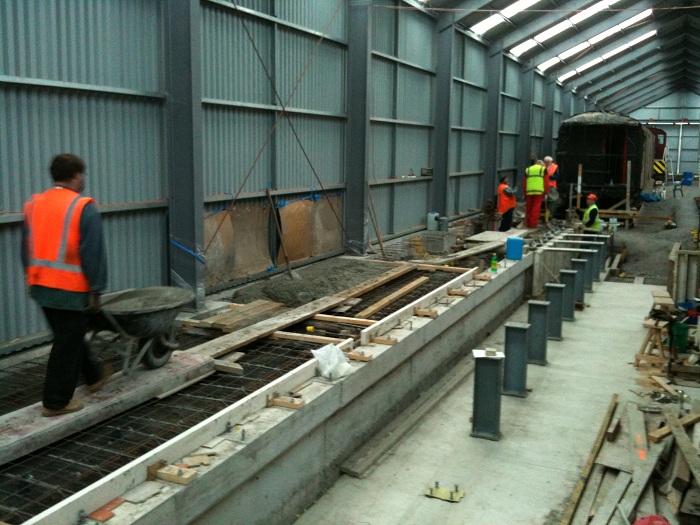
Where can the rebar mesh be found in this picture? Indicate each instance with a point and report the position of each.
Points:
(36, 482)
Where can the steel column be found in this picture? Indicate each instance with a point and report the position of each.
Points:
(554, 293)
(443, 99)
(515, 368)
(579, 265)
(491, 135)
(184, 125)
(486, 414)
(523, 147)
(537, 347)
(568, 307)
(359, 57)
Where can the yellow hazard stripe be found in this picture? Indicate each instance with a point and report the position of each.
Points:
(659, 166)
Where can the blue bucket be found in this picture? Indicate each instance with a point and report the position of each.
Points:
(687, 178)
(514, 248)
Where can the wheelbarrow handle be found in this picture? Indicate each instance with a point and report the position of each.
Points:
(115, 324)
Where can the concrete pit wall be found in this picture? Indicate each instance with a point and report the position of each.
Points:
(311, 447)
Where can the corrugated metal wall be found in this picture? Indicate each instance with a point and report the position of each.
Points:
(83, 77)
(509, 118)
(675, 108)
(468, 125)
(557, 116)
(401, 115)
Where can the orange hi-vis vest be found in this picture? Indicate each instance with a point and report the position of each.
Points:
(53, 240)
(550, 171)
(505, 202)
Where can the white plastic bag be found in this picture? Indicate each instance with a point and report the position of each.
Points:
(332, 362)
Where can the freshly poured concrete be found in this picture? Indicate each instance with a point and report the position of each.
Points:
(527, 476)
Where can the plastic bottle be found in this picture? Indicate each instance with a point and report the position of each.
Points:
(494, 263)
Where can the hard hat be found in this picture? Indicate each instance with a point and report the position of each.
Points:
(592, 196)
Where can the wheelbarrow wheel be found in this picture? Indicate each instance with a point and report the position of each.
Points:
(159, 353)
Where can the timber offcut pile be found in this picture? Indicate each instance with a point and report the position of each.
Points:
(644, 462)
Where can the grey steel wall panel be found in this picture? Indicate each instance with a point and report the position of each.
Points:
(323, 85)
(382, 195)
(416, 42)
(108, 43)
(411, 204)
(381, 152)
(137, 247)
(466, 151)
(510, 115)
(538, 90)
(415, 90)
(324, 143)
(261, 6)
(537, 149)
(19, 315)
(508, 148)
(383, 88)
(384, 26)
(232, 139)
(316, 15)
(472, 106)
(413, 150)
(474, 68)
(231, 69)
(120, 138)
(557, 123)
(537, 122)
(558, 98)
(466, 190)
(512, 78)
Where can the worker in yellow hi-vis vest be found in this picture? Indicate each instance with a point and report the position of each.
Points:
(536, 187)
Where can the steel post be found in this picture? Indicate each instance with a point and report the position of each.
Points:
(568, 307)
(579, 265)
(588, 272)
(554, 293)
(515, 368)
(537, 347)
(486, 415)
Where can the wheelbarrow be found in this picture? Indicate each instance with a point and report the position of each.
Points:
(142, 319)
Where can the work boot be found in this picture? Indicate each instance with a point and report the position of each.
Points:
(73, 405)
(105, 374)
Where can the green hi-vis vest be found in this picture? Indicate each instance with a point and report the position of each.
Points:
(534, 184)
(596, 224)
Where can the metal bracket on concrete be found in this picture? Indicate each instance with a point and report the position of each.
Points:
(486, 416)
(568, 307)
(555, 295)
(537, 317)
(515, 368)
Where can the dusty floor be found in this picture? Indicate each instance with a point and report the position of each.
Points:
(649, 243)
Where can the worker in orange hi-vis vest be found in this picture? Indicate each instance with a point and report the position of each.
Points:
(535, 188)
(506, 204)
(552, 171)
(66, 269)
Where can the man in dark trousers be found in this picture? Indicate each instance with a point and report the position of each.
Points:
(66, 268)
(506, 204)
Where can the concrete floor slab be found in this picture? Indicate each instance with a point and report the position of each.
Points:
(527, 476)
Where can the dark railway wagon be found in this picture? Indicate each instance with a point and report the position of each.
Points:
(603, 143)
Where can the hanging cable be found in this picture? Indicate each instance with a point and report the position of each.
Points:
(274, 126)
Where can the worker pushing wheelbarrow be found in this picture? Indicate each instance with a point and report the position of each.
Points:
(141, 324)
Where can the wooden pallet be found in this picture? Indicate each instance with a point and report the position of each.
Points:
(237, 316)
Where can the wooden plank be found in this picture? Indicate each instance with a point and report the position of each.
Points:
(436, 268)
(690, 453)
(234, 341)
(637, 432)
(308, 338)
(223, 365)
(643, 470)
(422, 312)
(374, 308)
(196, 320)
(294, 403)
(663, 384)
(613, 429)
(252, 319)
(585, 472)
(345, 320)
(657, 435)
(241, 314)
(174, 474)
(462, 293)
(24, 431)
(209, 321)
(582, 514)
(485, 247)
(606, 510)
(660, 293)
